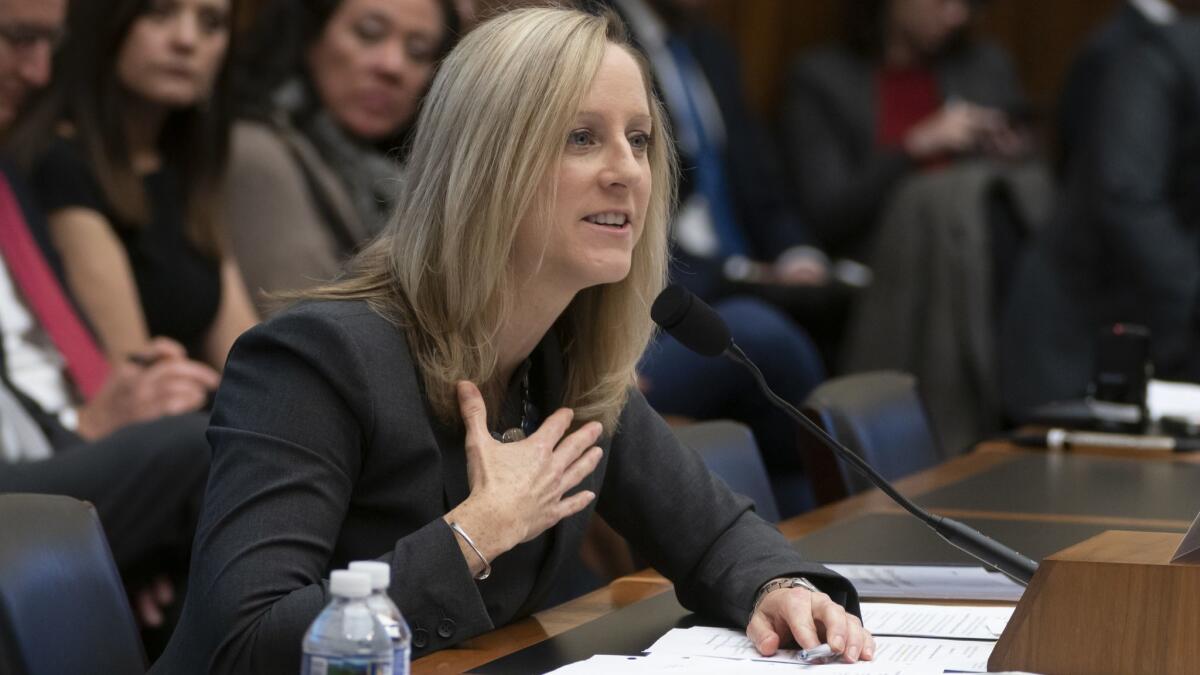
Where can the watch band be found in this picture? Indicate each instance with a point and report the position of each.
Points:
(786, 582)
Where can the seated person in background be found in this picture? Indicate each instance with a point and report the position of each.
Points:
(130, 144)
(733, 207)
(907, 89)
(68, 423)
(510, 291)
(901, 147)
(327, 89)
(1124, 246)
(733, 193)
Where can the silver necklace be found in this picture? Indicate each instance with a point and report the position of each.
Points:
(519, 433)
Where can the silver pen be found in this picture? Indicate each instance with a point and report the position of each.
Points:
(822, 653)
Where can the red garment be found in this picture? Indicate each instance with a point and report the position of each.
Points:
(905, 96)
(46, 299)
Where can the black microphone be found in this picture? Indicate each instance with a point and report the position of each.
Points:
(689, 320)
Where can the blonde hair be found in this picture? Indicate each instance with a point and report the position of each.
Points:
(492, 127)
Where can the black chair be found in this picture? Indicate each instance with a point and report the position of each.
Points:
(881, 418)
(729, 450)
(63, 608)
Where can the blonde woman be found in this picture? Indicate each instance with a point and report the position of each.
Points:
(522, 258)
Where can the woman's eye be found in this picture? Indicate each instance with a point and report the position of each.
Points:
(161, 9)
(580, 137)
(370, 30)
(640, 141)
(421, 49)
(214, 21)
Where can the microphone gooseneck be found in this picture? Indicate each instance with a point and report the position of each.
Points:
(692, 322)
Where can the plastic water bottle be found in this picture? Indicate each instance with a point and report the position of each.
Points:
(387, 612)
(346, 638)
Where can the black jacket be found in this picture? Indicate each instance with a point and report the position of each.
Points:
(1081, 89)
(1125, 244)
(324, 452)
(767, 215)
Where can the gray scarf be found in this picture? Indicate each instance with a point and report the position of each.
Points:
(371, 178)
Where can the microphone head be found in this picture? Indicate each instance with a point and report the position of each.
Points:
(688, 319)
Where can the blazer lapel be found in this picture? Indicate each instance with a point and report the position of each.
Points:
(455, 486)
(551, 376)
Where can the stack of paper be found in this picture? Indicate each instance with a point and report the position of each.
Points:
(909, 640)
(940, 621)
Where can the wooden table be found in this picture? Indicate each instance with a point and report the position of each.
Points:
(642, 585)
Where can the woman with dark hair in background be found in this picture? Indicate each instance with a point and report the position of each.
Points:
(905, 90)
(327, 90)
(907, 152)
(130, 145)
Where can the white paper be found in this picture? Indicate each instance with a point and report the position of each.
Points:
(1173, 399)
(935, 621)
(675, 664)
(717, 642)
(929, 582)
(604, 664)
(961, 655)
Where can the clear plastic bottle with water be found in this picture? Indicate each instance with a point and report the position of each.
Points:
(387, 612)
(346, 638)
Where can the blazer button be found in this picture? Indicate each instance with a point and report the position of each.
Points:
(420, 638)
(446, 628)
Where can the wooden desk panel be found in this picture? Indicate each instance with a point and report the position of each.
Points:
(545, 624)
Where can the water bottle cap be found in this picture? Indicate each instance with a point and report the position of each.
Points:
(347, 584)
(380, 572)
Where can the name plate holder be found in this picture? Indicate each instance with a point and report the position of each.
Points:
(1120, 602)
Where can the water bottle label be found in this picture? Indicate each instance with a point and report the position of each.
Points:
(391, 625)
(401, 662)
(318, 665)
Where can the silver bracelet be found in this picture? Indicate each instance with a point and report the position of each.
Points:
(487, 567)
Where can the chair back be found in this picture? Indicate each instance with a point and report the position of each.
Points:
(63, 607)
(729, 451)
(881, 418)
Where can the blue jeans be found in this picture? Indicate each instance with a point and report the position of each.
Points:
(680, 382)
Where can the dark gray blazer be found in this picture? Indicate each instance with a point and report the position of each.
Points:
(1125, 242)
(829, 124)
(325, 451)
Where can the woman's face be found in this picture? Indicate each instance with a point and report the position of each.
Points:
(173, 51)
(373, 60)
(603, 185)
(928, 24)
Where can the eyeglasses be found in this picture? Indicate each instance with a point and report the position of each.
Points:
(24, 37)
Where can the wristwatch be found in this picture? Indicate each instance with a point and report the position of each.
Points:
(787, 582)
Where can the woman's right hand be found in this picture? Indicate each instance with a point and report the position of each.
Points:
(957, 127)
(517, 488)
(156, 381)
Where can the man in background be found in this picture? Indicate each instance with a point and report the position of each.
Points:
(125, 437)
